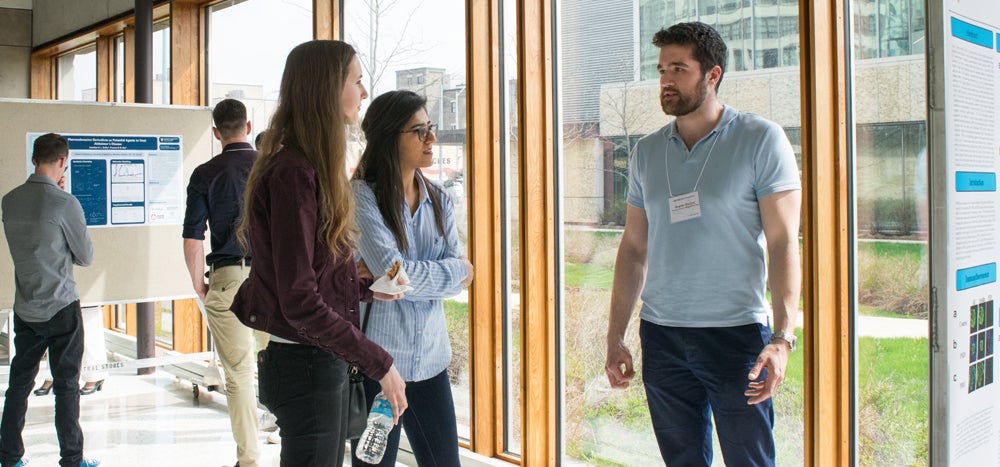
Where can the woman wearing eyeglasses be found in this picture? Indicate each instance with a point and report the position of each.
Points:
(404, 217)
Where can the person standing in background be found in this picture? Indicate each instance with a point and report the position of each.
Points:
(215, 197)
(95, 352)
(712, 220)
(47, 234)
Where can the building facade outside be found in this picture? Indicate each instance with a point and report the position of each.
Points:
(762, 77)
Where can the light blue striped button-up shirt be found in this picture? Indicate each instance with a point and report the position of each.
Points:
(412, 329)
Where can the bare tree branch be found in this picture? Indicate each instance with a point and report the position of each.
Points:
(376, 60)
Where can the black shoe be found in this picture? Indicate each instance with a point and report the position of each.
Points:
(92, 389)
(45, 389)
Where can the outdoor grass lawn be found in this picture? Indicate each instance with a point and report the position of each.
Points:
(901, 361)
(587, 275)
(912, 250)
(892, 385)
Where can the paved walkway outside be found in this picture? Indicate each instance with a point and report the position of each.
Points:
(868, 326)
(875, 326)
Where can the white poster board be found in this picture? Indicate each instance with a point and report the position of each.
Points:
(964, 78)
(137, 262)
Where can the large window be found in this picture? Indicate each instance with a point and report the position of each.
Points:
(513, 359)
(245, 64)
(599, 44)
(161, 62)
(76, 75)
(890, 199)
(163, 322)
(420, 47)
(119, 80)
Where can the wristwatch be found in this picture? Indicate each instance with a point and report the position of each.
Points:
(787, 337)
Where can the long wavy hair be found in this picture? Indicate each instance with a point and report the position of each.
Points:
(310, 118)
(387, 115)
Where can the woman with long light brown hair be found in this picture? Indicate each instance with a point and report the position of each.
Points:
(304, 286)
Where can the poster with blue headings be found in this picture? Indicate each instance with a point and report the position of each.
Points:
(964, 122)
(124, 180)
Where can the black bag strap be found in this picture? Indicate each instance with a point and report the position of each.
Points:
(353, 371)
(364, 322)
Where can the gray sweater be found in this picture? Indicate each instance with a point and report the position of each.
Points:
(47, 235)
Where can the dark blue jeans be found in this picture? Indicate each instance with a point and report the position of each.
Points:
(63, 337)
(305, 388)
(429, 422)
(692, 374)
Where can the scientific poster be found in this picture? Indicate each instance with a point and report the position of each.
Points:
(971, 78)
(124, 180)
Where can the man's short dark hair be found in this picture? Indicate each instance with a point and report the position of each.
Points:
(230, 117)
(259, 139)
(49, 148)
(709, 48)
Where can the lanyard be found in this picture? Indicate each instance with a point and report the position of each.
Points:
(666, 165)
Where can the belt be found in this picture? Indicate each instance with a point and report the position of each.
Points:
(222, 263)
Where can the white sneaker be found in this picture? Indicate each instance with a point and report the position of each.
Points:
(268, 422)
(274, 437)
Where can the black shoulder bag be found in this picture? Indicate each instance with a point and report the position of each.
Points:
(357, 405)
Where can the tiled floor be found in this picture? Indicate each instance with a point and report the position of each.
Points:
(151, 420)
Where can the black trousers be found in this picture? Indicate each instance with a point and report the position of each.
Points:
(63, 337)
(429, 422)
(305, 387)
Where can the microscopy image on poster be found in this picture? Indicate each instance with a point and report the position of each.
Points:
(981, 334)
(973, 351)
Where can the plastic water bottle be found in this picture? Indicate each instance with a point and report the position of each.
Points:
(371, 447)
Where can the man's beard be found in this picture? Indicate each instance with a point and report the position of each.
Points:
(683, 105)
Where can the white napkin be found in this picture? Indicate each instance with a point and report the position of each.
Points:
(391, 286)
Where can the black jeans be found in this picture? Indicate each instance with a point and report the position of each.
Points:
(429, 422)
(305, 388)
(63, 337)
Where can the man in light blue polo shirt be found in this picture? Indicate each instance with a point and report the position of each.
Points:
(713, 203)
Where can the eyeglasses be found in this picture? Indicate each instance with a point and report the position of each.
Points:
(423, 132)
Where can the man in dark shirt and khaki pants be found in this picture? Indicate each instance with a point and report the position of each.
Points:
(215, 196)
(47, 234)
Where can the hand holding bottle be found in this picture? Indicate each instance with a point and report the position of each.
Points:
(394, 391)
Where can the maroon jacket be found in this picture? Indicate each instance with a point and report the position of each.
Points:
(296, 290)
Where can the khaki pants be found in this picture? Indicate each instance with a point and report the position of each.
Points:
(234, 343)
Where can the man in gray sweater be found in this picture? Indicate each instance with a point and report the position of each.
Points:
(47, 234)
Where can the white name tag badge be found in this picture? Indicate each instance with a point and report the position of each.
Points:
(685, 207)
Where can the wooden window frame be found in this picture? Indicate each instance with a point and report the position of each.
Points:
(826, 270)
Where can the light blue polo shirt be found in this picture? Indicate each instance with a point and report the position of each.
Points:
(710, 271)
